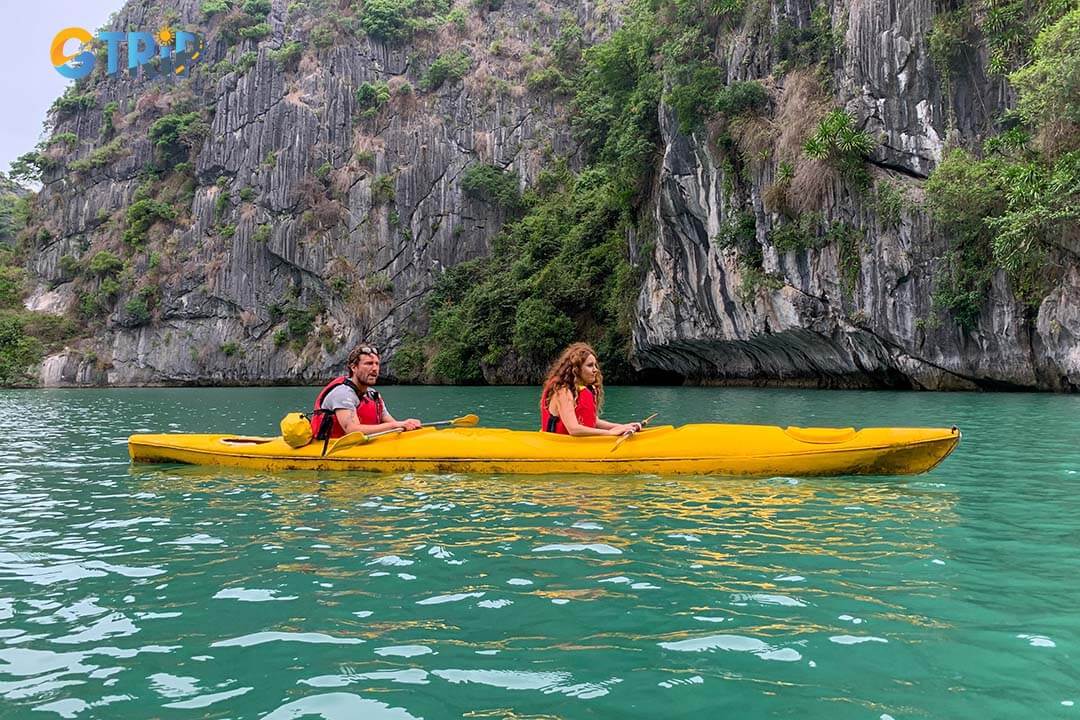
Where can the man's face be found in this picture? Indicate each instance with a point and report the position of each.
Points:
(366, 369)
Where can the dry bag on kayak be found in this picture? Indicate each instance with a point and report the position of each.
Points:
(296, 429)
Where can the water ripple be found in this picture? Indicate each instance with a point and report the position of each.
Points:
(126, 588)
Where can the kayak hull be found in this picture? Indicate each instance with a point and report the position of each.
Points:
(702, 449)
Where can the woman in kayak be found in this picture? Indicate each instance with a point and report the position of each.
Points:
(573, 396)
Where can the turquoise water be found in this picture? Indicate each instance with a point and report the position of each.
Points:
(168, 591)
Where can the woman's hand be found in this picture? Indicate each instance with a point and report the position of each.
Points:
(624, 428)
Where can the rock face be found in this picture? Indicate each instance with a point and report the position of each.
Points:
(315, 223)
(336, 221)
(811, 330)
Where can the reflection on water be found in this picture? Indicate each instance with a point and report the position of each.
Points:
(226, 593)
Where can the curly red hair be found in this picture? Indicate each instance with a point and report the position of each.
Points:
(566, 370)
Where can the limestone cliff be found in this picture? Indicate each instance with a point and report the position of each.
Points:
(288, 215)
(879, 326)
(304, 221)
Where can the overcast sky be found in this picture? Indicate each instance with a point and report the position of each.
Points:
(28, 81)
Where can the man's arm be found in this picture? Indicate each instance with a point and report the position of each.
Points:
(408, 424)
(346, 417)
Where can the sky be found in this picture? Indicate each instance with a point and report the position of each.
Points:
(27, 77)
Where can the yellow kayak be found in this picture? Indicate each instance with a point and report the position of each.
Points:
(703, 449)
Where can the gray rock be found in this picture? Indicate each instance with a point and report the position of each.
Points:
(332, 250)
(692, 321)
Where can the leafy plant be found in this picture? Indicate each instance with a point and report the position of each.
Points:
(548, 78)
(848, 240)
(740, 98)
(72, 102)
(1049, 87)
(387, 20)
(67, 138)
(382, 189)
(492, 184)
(889, 203)
(255, 32)
(838, 142)
(322, 35)
(408, 360)
(101, 157)
(257, 8)
(961, 193)
(540, 330)
(806, 46)
(222, 204)
(798, 233)
(105, 263)
(694, 99)
(19, 351)
(372, 96)
(247, 61)
(448, 67)
(175, 134)
(366, 158)
(137, 311)
(141, 215)
(299, 323)
(287, 55)
(108, 115)
(29, 167)
(215, 7)
(12, 285)
(380, 283)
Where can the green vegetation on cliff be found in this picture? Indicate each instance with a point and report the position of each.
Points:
(1008, 204)
(562, 268)
(561, 271)
(786, 152)
(25, 336)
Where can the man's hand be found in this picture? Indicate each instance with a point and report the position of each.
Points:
(409, 424)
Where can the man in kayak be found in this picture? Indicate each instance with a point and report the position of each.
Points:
(350, 403)
(573, 396)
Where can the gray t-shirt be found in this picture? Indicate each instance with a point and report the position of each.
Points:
(344, 397)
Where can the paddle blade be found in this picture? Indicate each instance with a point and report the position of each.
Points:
(347, 441)
(469, 420)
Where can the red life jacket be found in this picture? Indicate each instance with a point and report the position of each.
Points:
(324, 423)
(584, 409)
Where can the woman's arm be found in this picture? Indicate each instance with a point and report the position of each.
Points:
(620, 427)
(564, 407)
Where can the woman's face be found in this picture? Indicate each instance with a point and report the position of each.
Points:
(589, 370)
